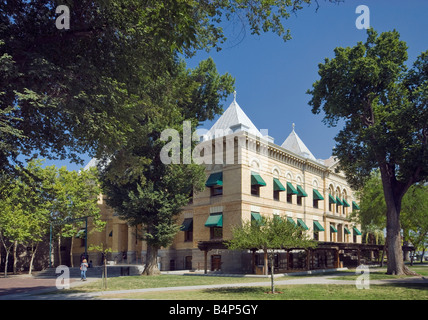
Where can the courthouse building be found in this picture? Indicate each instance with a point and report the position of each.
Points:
(249, 176)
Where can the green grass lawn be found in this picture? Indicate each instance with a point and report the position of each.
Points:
(291, 292)
(141, 282)
(380, 273)
(393, 291)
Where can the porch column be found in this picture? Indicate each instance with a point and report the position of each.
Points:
(205, 261)
(131, 252)
(308, 254)
(336, 258)
(253, 261)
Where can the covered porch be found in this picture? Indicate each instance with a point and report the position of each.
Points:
(327, 255)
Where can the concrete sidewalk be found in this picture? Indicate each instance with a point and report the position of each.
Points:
(325, 279)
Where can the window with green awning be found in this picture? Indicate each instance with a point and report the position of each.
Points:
(333, 228)
(215, 179)
(356, 231)
(290, 219)
(346, 230)
(318, 226)
(302, 224)
(339, 202)
(257, 180)
(345, 203)
(277, 185)
(355, 206)
(256, 218)
(317, 195)
(291, 189)
(301, 192)
(187, 224)
(331, 199)
(214, 220)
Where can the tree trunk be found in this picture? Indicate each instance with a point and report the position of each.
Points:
(393, 192)
(395, 263)
(272, 284)
(6, 262)
(33, 254)
(151, 267)
(105, 272)
(71, 252)
(266, 262)
(15, 258)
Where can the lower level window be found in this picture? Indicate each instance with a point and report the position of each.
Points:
(216, 233)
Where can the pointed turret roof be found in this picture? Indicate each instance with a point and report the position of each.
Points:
(232, 120)
(294, 144)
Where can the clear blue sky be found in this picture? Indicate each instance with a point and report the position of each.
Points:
(272, 76)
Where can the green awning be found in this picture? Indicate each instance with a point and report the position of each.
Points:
(256, 179)
(214, 220)
(317, 195)
(339, 202)
(255, 216)
(187, 224)
(302, 224)
(301, 192)
(355, 206)
(215, 179)
(318, 226)
(291, 189)
(277, 185)
(347, 230)
(331, 199)
(290, 219)
(276, 218)
(356, 231)
(332, 228)
(345, 203)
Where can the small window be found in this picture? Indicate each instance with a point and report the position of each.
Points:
(255, 190)
(276, 195)
(315, 203)
(216, 233)
(216, 191)
(316, 235)
(188, 235)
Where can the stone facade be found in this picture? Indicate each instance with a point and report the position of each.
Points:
(323, 201)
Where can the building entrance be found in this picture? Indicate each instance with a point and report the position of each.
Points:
(215, 262)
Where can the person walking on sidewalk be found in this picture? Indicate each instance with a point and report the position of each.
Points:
(83, 269)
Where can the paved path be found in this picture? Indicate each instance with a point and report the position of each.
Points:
(23, 287)
(325, 279)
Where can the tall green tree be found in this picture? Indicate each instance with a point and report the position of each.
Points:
(269, 235)
(34, 192)
(14, 226)
(383, 104)
(75, 197)
(65, 92)
(139, 185)
(25, 210)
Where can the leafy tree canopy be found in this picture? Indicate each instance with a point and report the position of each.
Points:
(66, 92)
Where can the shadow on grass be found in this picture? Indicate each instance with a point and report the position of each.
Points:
(414, 286)
(244, 291)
